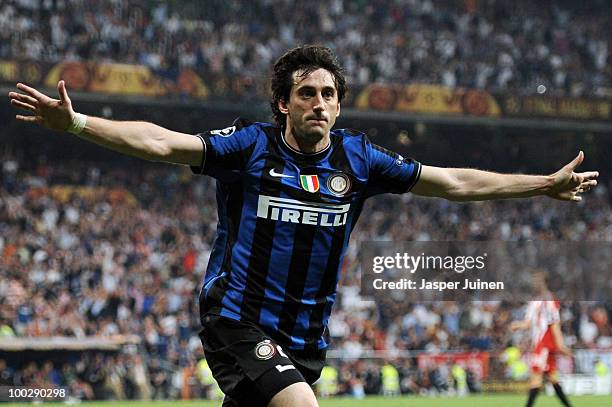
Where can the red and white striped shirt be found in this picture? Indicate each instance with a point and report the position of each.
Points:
(543, 314)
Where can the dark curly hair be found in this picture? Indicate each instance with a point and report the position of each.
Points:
(307, 58)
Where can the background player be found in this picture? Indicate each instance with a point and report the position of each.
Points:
(542, 317)
(308, 87)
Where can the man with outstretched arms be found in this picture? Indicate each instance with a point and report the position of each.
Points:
(288, 196)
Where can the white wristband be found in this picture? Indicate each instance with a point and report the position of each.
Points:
(78, 124)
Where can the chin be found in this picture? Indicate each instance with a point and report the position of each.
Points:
(314, 135)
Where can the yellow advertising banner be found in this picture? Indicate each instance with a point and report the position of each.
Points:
(124, 79)
(556, 107)
(21, 71)
(428, 99)
(127, 79)
(63, 194)
(505, 386)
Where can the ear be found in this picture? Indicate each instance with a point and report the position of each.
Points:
(338, 111)
(282, 106)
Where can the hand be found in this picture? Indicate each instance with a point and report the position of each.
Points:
(516, 325)
(51, 113)
(566, 351)
(568, 185)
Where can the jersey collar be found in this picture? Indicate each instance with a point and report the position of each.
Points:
(300, 156)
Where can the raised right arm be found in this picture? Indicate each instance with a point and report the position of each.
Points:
(140, 139)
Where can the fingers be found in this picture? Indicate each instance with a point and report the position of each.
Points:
(29, 119)
(22, 105)
(63, 93)
(578, 184)
(588, 175)
(587, 186)
(23, 98)
(574, 194)
(31, 91)
(576, 161)
(584, 187)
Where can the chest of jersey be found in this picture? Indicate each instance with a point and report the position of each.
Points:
(316, 194)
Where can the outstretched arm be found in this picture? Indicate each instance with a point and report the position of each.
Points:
(520, 325)
(464, 184)
(140, 139)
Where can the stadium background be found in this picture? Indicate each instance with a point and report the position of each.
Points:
(102, 255)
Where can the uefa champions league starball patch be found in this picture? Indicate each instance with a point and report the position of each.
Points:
(264, 350)
(338, 184)
(226, 132)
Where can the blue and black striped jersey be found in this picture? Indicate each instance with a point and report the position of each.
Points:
(284, 223)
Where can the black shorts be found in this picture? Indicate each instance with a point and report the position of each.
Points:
(249, 366)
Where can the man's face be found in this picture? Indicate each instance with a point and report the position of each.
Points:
(313, 105)
(539, 281)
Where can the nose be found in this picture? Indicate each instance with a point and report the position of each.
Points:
(319, 103)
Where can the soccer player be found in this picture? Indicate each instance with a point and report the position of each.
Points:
(288, 195)
(546, 338)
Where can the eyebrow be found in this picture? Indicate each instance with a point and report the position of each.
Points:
(308, 87)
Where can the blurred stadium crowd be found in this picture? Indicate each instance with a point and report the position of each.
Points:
(122, 253)
(121, 264)
(494, 45)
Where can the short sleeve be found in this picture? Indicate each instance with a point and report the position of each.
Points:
(389, 172)
(226, 150)
(552, 312)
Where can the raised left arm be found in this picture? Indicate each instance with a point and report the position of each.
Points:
(465, 184)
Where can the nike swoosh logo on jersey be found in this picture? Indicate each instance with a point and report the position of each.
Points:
(273, 173)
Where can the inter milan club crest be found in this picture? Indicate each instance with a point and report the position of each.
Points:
(264, 350)
(309, 183)
(338, 184)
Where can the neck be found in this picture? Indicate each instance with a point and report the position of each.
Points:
(303, 145)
